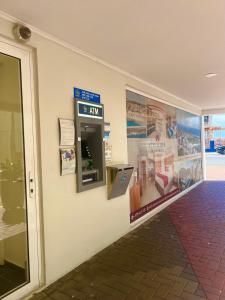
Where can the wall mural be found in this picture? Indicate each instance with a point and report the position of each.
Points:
(164, 145)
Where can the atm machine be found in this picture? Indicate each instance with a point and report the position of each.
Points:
(90, 149)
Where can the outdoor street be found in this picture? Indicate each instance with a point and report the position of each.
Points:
(215, 166)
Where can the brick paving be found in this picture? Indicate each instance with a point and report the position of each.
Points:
(199, 218)
(176, 255)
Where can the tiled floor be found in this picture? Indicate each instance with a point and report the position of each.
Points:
(179, 254)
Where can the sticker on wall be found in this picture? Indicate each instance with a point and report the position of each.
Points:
(108, 152)
(164, 146)
(108, 146)
(68, 161)
(67, 132)
(106, 130)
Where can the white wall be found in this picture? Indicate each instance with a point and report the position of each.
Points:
(76, 226)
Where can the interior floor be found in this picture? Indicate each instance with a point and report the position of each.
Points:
(11, 276)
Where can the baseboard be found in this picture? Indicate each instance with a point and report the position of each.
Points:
(13, 262)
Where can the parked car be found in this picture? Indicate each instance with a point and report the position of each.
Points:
(220, 149)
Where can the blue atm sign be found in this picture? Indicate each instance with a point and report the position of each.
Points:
(80, 94)
(89, 110)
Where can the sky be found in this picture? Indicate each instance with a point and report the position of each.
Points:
(187, 119)
(218, 120)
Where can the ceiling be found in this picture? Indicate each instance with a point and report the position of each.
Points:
(170, 44)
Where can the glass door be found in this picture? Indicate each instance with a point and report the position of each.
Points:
(17, 183)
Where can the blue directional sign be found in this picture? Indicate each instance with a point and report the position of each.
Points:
(80, 94)
(89, 110)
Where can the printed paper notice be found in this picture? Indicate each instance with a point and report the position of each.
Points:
(67, 132)
(108, 153)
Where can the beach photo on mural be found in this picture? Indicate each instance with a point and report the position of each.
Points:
(164, 146)
(136, 121)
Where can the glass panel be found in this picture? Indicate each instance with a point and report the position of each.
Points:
(13, 221)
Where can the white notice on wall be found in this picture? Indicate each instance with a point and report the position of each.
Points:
(108, 152)
(67, 132)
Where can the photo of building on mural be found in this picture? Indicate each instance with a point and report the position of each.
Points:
(164, 145)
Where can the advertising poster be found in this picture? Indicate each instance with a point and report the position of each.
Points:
(68, 161)
(136, 120)
(164, 145)
(188, 172)
(188, 133)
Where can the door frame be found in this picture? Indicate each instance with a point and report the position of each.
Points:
(203, 150)
(25, 55)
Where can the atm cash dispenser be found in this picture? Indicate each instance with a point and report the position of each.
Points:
(90, 152)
